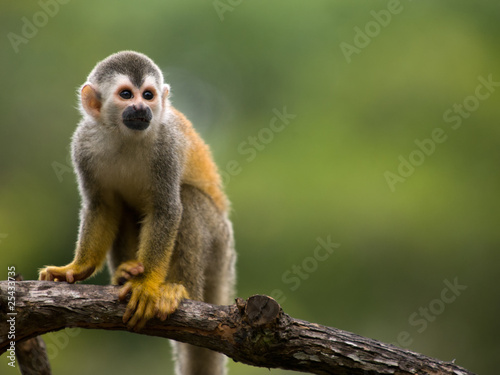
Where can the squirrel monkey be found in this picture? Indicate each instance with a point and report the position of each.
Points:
(152, 202)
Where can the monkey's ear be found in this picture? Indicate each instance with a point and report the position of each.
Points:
(166, 93)
(90, 101)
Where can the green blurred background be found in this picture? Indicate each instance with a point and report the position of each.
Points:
(361, 105)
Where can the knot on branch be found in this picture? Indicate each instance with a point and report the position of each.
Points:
(259, 310)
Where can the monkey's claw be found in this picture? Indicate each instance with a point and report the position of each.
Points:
(69, 273)
(171, 295)
(126, 271)
(149, 300)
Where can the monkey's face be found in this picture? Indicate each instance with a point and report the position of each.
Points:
(137, 105)
(121, 103)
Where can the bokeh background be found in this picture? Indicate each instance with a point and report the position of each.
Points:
(361, 84)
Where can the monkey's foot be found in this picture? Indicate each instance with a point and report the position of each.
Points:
(70, 273)
(149, 300)
(126, 271)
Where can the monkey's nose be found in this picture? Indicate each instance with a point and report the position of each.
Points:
(137, 117)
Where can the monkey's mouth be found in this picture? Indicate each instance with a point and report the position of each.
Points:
(137, 119)
(136, 123)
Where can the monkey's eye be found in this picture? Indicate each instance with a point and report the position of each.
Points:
(148, 95)
(126, 94)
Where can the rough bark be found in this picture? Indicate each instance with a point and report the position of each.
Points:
(256, 331)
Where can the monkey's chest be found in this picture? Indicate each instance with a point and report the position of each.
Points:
(125, 177)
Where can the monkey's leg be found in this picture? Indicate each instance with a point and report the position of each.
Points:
(122, 259)
(218, 290)
(220, 269)
(203, 261)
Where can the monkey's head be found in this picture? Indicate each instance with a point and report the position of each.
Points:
(125, 90)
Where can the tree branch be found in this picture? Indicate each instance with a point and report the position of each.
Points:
(256, 332)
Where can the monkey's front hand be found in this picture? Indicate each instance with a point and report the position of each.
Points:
(70, 273)
(150, 299)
